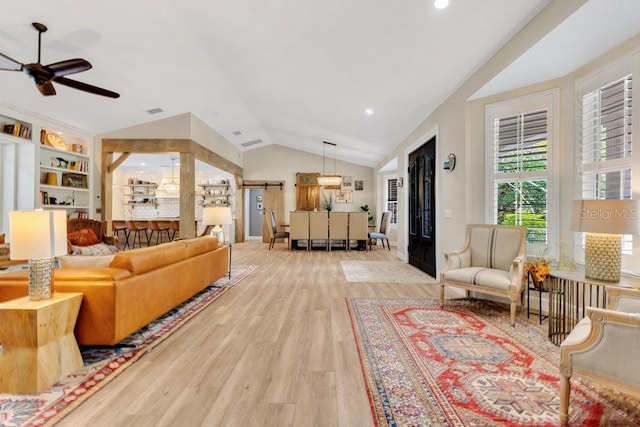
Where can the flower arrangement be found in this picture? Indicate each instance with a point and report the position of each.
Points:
(539, 268)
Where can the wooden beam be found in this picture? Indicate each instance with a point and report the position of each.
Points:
(106, 193)
(113, 166)
(146, 145)
(187, 195)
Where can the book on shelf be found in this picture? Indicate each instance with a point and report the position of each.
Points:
(20, 130)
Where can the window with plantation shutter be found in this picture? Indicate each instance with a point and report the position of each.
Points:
(519, 149)
(391, 197)
(605, 157)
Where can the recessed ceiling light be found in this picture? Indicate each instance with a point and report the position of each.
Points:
(441, 4)
(143, 164)
(368, 111)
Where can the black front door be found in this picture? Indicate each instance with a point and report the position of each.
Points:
(422, 208)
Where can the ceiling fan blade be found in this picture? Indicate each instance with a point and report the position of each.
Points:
(86, 87)
(10, 59)
(69, 66)
(46, 88)
(10, 69)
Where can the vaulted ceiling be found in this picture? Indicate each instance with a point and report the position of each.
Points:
(295, 73)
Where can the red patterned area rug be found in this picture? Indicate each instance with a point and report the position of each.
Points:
(102, 364)
(465, 365)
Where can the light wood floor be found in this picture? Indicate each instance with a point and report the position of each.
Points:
(276, 350)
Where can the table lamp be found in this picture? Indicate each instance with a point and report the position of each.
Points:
(217, 216)
(38, 236)
(604, 221)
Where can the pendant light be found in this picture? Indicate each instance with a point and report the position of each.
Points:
(172, 187)
(329, 180)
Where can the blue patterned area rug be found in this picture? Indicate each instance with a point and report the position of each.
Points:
(465, 365)
(102, 364)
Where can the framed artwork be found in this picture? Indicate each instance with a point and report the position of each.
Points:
(74, 180)
(347, 183)
(359, 185)
(343, 197)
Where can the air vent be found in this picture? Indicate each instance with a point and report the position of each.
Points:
(155, 111)
(237, 133)
(250, 143)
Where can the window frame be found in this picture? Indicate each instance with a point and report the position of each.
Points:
(386, 180)
(599, 79)
(548, 100)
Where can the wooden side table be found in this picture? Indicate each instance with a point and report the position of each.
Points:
(38, 345)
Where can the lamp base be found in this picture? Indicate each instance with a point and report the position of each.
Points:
(603, 256)
(40, 275)
(219, 233)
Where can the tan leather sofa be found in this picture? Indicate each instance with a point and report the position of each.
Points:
(138, 286)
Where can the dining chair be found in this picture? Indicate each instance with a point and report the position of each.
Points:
(272, 226)
(382, 233)
(158, 227)
(136, 227)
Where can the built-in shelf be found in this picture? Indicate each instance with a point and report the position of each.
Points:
(64, 163)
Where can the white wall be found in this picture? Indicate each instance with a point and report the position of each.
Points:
(277, 163)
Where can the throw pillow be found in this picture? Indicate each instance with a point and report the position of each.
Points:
(97, 249)
(85, 261)
(2, 238)
(84, 237)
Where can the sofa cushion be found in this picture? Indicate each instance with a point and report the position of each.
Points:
(481, 276)
(200, 245)
(141, 260)
(85, 261)
(83, 237)
(88, 275)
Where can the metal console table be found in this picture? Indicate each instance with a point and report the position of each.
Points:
(569, 295)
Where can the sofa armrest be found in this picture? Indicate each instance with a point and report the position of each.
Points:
(623, 299)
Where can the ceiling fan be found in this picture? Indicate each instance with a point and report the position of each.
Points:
(45, 75)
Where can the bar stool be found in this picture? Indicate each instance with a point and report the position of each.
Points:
(174, 225)
(136, 227)
(159, 227)
(117, 226)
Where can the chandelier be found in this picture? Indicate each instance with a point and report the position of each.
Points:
(329, 180)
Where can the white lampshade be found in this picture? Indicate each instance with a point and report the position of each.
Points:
(606, 216)
(216, 215)
(37, 234)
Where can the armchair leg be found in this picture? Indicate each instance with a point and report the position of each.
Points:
(441, 295)
(514, 308)
(564, 398)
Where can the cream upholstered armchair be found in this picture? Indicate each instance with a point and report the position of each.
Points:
(491, 262)
(603, 347)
